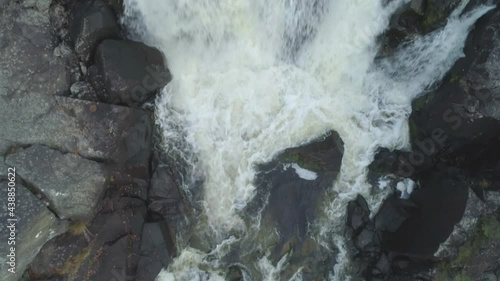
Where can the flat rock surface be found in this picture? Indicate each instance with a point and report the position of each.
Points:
(3, 168)
(35, 226)
(73, 185)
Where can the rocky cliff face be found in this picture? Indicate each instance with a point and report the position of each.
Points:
(83, 153)
(448, 227)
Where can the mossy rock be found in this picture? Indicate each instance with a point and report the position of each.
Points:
(464, 267)
(302, 160)
(421, 102)
(436, 13)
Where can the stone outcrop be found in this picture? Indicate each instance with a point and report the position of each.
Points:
(72, 185)
(81, 159)
(454, 131)
(35, 225)
(131, 81)
(154, 251)
(91, 23)
(290, 189)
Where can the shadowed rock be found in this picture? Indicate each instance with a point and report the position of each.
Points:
(129, 72)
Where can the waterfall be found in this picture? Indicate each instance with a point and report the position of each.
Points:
(254, 77)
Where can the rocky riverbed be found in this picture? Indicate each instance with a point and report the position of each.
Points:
(97, 199)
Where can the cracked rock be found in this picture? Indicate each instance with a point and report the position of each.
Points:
(73, 185)
(35, 226)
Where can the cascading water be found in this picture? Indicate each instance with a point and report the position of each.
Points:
(254, 77)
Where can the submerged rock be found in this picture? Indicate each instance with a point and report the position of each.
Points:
(35, 226)
(71, 184)
(294, 200)
(129, 72)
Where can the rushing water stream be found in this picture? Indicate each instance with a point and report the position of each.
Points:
(254, 77)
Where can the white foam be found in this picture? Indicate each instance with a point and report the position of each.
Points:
(303, 173)
(242, 92)
(406, 187)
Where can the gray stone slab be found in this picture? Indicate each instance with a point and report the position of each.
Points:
(73, 185)
(35, 225)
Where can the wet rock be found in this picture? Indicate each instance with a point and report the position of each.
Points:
(464, 229)
(35, 226)
(293, 185)
(462, 110)
(117, 6)
(91, 23)
(129, 72)
(357, 214)
(154, 251)
(164, 195)
(389, 162)
(366, 241)
(234, 274)
(418, 6)
(382, 267)
(439, 205)
(135, 147)
(437, 11)
(71, 184)
(393, 213)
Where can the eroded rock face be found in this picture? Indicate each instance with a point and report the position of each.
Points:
(131, 81)
(35, 226)
(73, 185)
(74, 150)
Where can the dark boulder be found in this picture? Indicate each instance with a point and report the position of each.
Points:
(165, 198)
(435, 209)
(128, 72)
(393, 213)
(417, 17)
(291, 189)
(154, 254)
(91, 23)
(459, 123)
(357, 214)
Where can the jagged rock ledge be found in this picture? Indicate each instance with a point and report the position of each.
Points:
(73, 124)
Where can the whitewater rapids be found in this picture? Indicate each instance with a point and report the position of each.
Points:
(254, 77)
